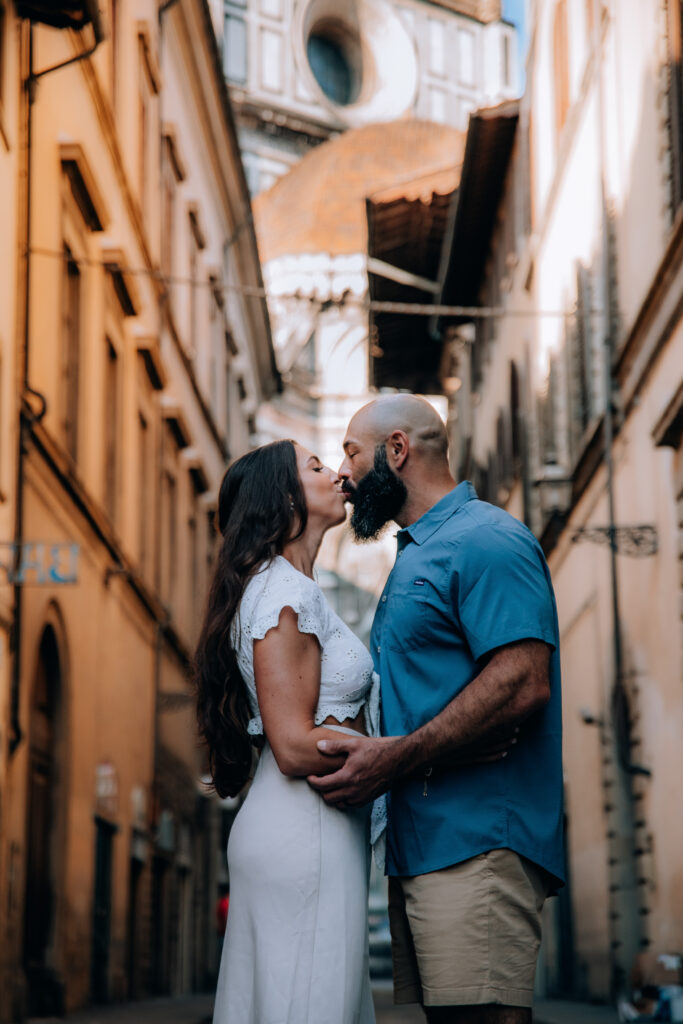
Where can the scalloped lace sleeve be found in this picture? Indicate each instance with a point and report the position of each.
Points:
(286, 591)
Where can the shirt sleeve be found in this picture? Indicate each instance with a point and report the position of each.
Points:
(502, 591)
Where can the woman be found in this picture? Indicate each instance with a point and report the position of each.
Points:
(274, 661)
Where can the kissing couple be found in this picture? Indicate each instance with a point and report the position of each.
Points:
(451, 723)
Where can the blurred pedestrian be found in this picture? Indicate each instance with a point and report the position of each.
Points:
(222, 906)
(465, 641)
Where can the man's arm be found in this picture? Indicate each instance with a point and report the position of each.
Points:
(511, 687)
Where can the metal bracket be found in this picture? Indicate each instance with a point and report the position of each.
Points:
(636, 541)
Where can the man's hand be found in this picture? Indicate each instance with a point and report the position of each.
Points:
(369, 770)
(372, 764)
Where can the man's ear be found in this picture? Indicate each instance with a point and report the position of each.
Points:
(398, 447)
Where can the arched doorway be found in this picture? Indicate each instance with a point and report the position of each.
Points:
(45, 990)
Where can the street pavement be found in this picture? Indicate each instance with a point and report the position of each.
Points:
(197, 1009)
(387, 1013)
(194, 1009)
(558, 1011)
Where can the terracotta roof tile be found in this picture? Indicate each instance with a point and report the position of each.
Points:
(319, 206)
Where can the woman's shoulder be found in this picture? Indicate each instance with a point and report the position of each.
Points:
(277, 585)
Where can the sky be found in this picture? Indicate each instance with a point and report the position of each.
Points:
(513, 10)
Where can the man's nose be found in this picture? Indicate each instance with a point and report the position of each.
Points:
(344, 472)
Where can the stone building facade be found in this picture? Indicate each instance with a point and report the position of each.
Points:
(301, 72)
(134, 351)
(566, 408)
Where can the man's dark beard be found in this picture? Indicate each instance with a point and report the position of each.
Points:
(377, 498)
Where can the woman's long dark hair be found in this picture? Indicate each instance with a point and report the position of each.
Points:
(261, 504)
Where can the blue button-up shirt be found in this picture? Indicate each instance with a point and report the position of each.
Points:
(468, 578)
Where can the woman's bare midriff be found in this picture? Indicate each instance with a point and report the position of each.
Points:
(357, 723)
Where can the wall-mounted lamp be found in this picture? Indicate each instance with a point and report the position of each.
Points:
(589, 718)
(555, 489)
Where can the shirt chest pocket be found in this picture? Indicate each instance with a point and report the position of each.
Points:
(408, 614)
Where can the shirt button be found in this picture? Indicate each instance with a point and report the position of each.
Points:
(384, 597)
(400, 552)
(378, 648)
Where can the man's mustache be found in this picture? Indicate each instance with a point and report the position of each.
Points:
(348, 492)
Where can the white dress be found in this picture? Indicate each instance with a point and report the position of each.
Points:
(296, 943)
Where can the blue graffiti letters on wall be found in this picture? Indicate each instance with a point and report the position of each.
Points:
(37, 562)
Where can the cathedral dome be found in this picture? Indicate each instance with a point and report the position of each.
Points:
(320, 205)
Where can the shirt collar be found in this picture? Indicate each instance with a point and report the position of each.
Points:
(428, 523)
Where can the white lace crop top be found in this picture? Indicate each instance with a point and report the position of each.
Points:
(346, 677)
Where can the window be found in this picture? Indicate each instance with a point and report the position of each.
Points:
(547, 417)
(194, 554)
(515, 419)
(334, 59)
(114, 16)
(437, 105)
(466, 57)
(211, 539)
(437, 52)
(271, 60)
(142, 142)
(147, 475)
(169, 531)
(3, 20)
(583, 363)
(4, 408)
(71, 351)
(529, 144)
(111, 428)
(216, 350)
(197, 243)
(506, 61)
(148, 87)
(235, 49)
(505, 464)
(168, 212)
(145, 512)
(561, 65)
(675, 8)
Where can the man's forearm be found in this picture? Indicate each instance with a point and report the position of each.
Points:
(512, 686)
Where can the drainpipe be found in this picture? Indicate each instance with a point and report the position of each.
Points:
(625, 924)
(160, 626)
(28, 416)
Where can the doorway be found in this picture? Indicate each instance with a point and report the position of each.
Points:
(134, 971)
(104, 849)
(44, 986)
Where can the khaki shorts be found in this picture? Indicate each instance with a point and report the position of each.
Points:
(468, 934)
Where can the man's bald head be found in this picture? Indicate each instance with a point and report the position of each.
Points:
(414, 416)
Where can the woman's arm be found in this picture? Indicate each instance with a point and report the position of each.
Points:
(287, 675)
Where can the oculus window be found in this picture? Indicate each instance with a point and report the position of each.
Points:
(333, 68)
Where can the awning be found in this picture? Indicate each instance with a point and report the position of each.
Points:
(407, 227)
(490, 138)
(74, 14)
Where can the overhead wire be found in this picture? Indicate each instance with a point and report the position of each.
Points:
(344, 300)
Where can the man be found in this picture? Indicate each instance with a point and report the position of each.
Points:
(465, 641)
